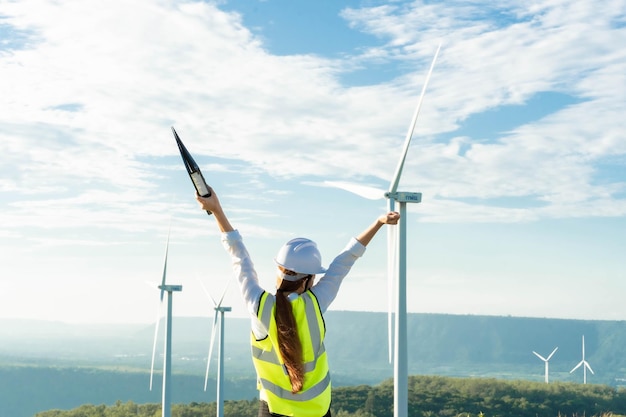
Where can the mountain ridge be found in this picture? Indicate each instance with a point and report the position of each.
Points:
(435, 341)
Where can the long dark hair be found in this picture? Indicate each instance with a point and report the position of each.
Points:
(288, 341)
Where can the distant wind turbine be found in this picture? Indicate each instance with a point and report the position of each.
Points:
(546, 360)
(167, 357)
(219, 309)
(584, 364)
(396, 243)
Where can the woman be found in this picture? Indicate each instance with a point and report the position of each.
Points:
(288, 328)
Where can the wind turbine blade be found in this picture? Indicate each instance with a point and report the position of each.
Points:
(583, 347)
(225, 290)
(550, 355)
(208, 294)
(167, 247)
(158, 319)
(540, 357)
(407, 141)
(392, 268)
(589, 367)
(365, 191)
(576, 367)
(208, 360)
(154, 344)
(389, 294)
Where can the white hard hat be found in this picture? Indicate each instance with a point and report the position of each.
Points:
(300, 255)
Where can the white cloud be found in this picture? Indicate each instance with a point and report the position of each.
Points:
(111, 80)
(89, 96)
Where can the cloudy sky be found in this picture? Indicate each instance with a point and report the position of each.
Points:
(519, 150)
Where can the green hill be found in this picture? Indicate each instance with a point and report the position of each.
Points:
(429, 396)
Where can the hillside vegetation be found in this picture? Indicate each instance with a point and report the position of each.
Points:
(429, 396)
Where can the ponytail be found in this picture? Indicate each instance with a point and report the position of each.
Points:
(288, 341)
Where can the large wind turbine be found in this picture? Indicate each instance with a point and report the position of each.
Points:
(584, 364)
(546, 361)
(400, 373)
(167, 356)
(219, 310)
(397, 265)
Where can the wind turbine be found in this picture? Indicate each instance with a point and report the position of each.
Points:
(584, 364)
(219, 310)
(546, 361)
(397, 265)
(167, 357)
(400, 374)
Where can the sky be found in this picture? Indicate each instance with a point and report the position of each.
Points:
(519, 151)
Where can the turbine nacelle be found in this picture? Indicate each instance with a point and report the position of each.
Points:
(169, 288)
(404, 196)
(223, 309)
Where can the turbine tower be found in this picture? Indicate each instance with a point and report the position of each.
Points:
(397, 264)
(584, 364)
(546, 360)
(166, 407)
(219, 310)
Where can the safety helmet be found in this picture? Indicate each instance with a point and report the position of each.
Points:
(300, 255)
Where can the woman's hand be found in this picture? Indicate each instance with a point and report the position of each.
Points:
(211, 203)
(389, 218)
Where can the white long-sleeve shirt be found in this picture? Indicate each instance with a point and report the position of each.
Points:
(325, 289)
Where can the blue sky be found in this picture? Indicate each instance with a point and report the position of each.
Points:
(519, 150)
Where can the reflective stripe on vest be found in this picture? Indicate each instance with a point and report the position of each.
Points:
(268, 356)
(274, 383)
(307, 395)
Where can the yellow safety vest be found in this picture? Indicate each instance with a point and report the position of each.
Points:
(273, 381)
